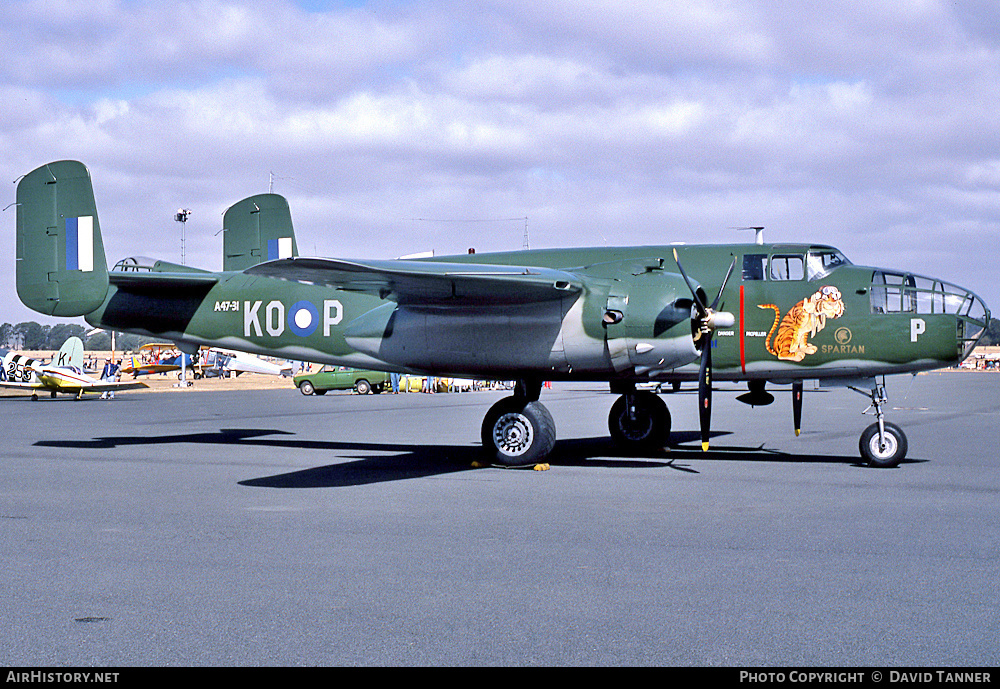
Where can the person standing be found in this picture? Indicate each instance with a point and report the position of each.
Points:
(108, 375)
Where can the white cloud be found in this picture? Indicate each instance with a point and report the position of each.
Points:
(869, 126)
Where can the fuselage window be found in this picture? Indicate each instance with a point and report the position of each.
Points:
(787, 268)
(893, 293)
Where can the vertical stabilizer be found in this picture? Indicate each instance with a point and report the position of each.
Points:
(61, 269)
(255, 230)
(70, 354)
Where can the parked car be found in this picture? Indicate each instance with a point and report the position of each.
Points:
(341, 378)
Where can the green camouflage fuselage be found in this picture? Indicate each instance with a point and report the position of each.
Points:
(565, 338)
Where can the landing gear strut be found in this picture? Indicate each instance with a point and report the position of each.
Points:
(883, 444)
(519, 430)
(639, 421)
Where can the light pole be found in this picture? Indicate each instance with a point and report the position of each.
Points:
(181, 216)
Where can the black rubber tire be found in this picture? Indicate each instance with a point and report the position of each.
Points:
(891, 455)
(306, 388)
(517, 432)
(363, 387)
(651, 429)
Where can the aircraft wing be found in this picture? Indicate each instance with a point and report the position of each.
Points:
(23, 386)
(113, 387)
(428, 282)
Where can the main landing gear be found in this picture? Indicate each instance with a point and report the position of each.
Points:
(639, 421)
(519, 430)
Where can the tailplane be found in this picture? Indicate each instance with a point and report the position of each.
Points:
(257, 229)
(61, 268)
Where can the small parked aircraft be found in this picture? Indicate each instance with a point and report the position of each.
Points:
(64, 373)
(757, 313)
(230, 361)
(154, 357)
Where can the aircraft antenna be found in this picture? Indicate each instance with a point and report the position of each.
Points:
(524, 241)
(758, 233)
(181, 216)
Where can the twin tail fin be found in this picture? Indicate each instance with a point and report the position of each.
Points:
(61, 267)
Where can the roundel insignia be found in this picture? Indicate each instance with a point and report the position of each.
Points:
(303, 318)
(842, 336)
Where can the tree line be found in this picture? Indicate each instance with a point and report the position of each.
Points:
(34, 337)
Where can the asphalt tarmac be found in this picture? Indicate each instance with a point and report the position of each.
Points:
(265, 528)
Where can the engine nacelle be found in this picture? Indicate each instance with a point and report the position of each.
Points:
(470, 340)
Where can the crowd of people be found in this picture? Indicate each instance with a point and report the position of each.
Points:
(430, 384)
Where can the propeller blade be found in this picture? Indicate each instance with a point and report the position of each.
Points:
(705, 395)
(697, 300)
(797, 405)
(723, 287)
(710, 320)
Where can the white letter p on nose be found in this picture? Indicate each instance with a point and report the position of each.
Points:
(917, 328)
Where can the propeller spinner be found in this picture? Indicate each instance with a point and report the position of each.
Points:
(705, 322)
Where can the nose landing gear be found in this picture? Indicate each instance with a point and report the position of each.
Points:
(883, 444)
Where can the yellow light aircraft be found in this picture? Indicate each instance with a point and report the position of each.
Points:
(63, 374)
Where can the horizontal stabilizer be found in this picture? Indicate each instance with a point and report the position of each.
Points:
(155, 282)
(428, 282)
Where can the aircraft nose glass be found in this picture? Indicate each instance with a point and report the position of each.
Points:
(905, 293)
(972, 323)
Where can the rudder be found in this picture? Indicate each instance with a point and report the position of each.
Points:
(61, 268)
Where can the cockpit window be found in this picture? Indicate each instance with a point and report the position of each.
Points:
(753, 266)
(818, 263)
(787, 267)
(821, 262)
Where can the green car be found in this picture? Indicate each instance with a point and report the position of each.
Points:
(341, 378)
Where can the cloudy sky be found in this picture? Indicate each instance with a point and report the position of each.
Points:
(394, 127)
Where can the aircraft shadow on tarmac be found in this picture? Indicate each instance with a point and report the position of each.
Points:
(418, 461)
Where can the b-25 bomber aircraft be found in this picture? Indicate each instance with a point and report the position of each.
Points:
(757, 313)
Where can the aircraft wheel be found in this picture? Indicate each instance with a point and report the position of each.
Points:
(363, 387)
(518, 432)
(883, 457)
(650, 427)
(306, 388)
